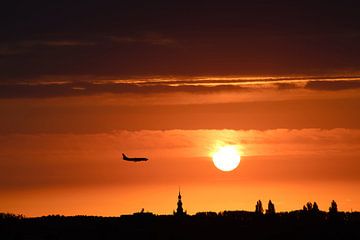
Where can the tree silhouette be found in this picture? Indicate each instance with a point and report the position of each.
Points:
(5, 216)
(315, 208)
(271, 208)
(333, 208)
(259, 208)
(308, 207)
(311, 209)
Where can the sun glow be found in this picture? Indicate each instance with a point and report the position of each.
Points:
(226, 158)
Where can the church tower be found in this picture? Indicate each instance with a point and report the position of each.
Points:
(179, 211)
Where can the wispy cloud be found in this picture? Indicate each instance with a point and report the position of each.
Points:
(148, 38)
(54, 88)
(333, 85)
(6, 50)
(57, 43)
(26, 46)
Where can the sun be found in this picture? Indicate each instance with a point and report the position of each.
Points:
(226, 158)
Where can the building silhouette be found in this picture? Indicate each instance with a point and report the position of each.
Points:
(179, 210)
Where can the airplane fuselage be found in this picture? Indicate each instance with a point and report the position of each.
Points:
(134, 159)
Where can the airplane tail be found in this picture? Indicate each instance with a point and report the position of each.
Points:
(124, 156)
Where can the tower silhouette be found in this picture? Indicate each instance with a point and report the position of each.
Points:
(179, 210)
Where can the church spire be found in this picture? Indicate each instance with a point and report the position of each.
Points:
(179, 210)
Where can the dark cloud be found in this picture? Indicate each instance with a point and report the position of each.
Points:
(34, 45)
(125, 38)
(148, 38)
(81, 89)
(60, 88)
(6, 50)
(287, 86)
(55, 43)
(31, 46)
(333, 85)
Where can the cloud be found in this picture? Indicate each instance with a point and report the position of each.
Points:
(25, 46)
(333, 85)
(28, 46)
(287, 86)
(6, 50)
(205, 85)
(86, 88)
(148, 38)
(130, 40)
(57, 43)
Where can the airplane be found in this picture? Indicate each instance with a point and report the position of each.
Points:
(133, 159)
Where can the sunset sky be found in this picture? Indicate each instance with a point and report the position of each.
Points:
(81, 83)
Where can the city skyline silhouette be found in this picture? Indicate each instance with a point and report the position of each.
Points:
(258, 224)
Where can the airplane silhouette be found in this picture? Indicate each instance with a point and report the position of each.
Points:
(133, 159)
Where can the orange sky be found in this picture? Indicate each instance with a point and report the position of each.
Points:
(61, 155)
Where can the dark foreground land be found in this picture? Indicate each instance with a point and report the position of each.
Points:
(226, 225)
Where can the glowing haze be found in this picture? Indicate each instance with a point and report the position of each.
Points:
(297, 143)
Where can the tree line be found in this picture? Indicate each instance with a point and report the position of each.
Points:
(308, 207)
